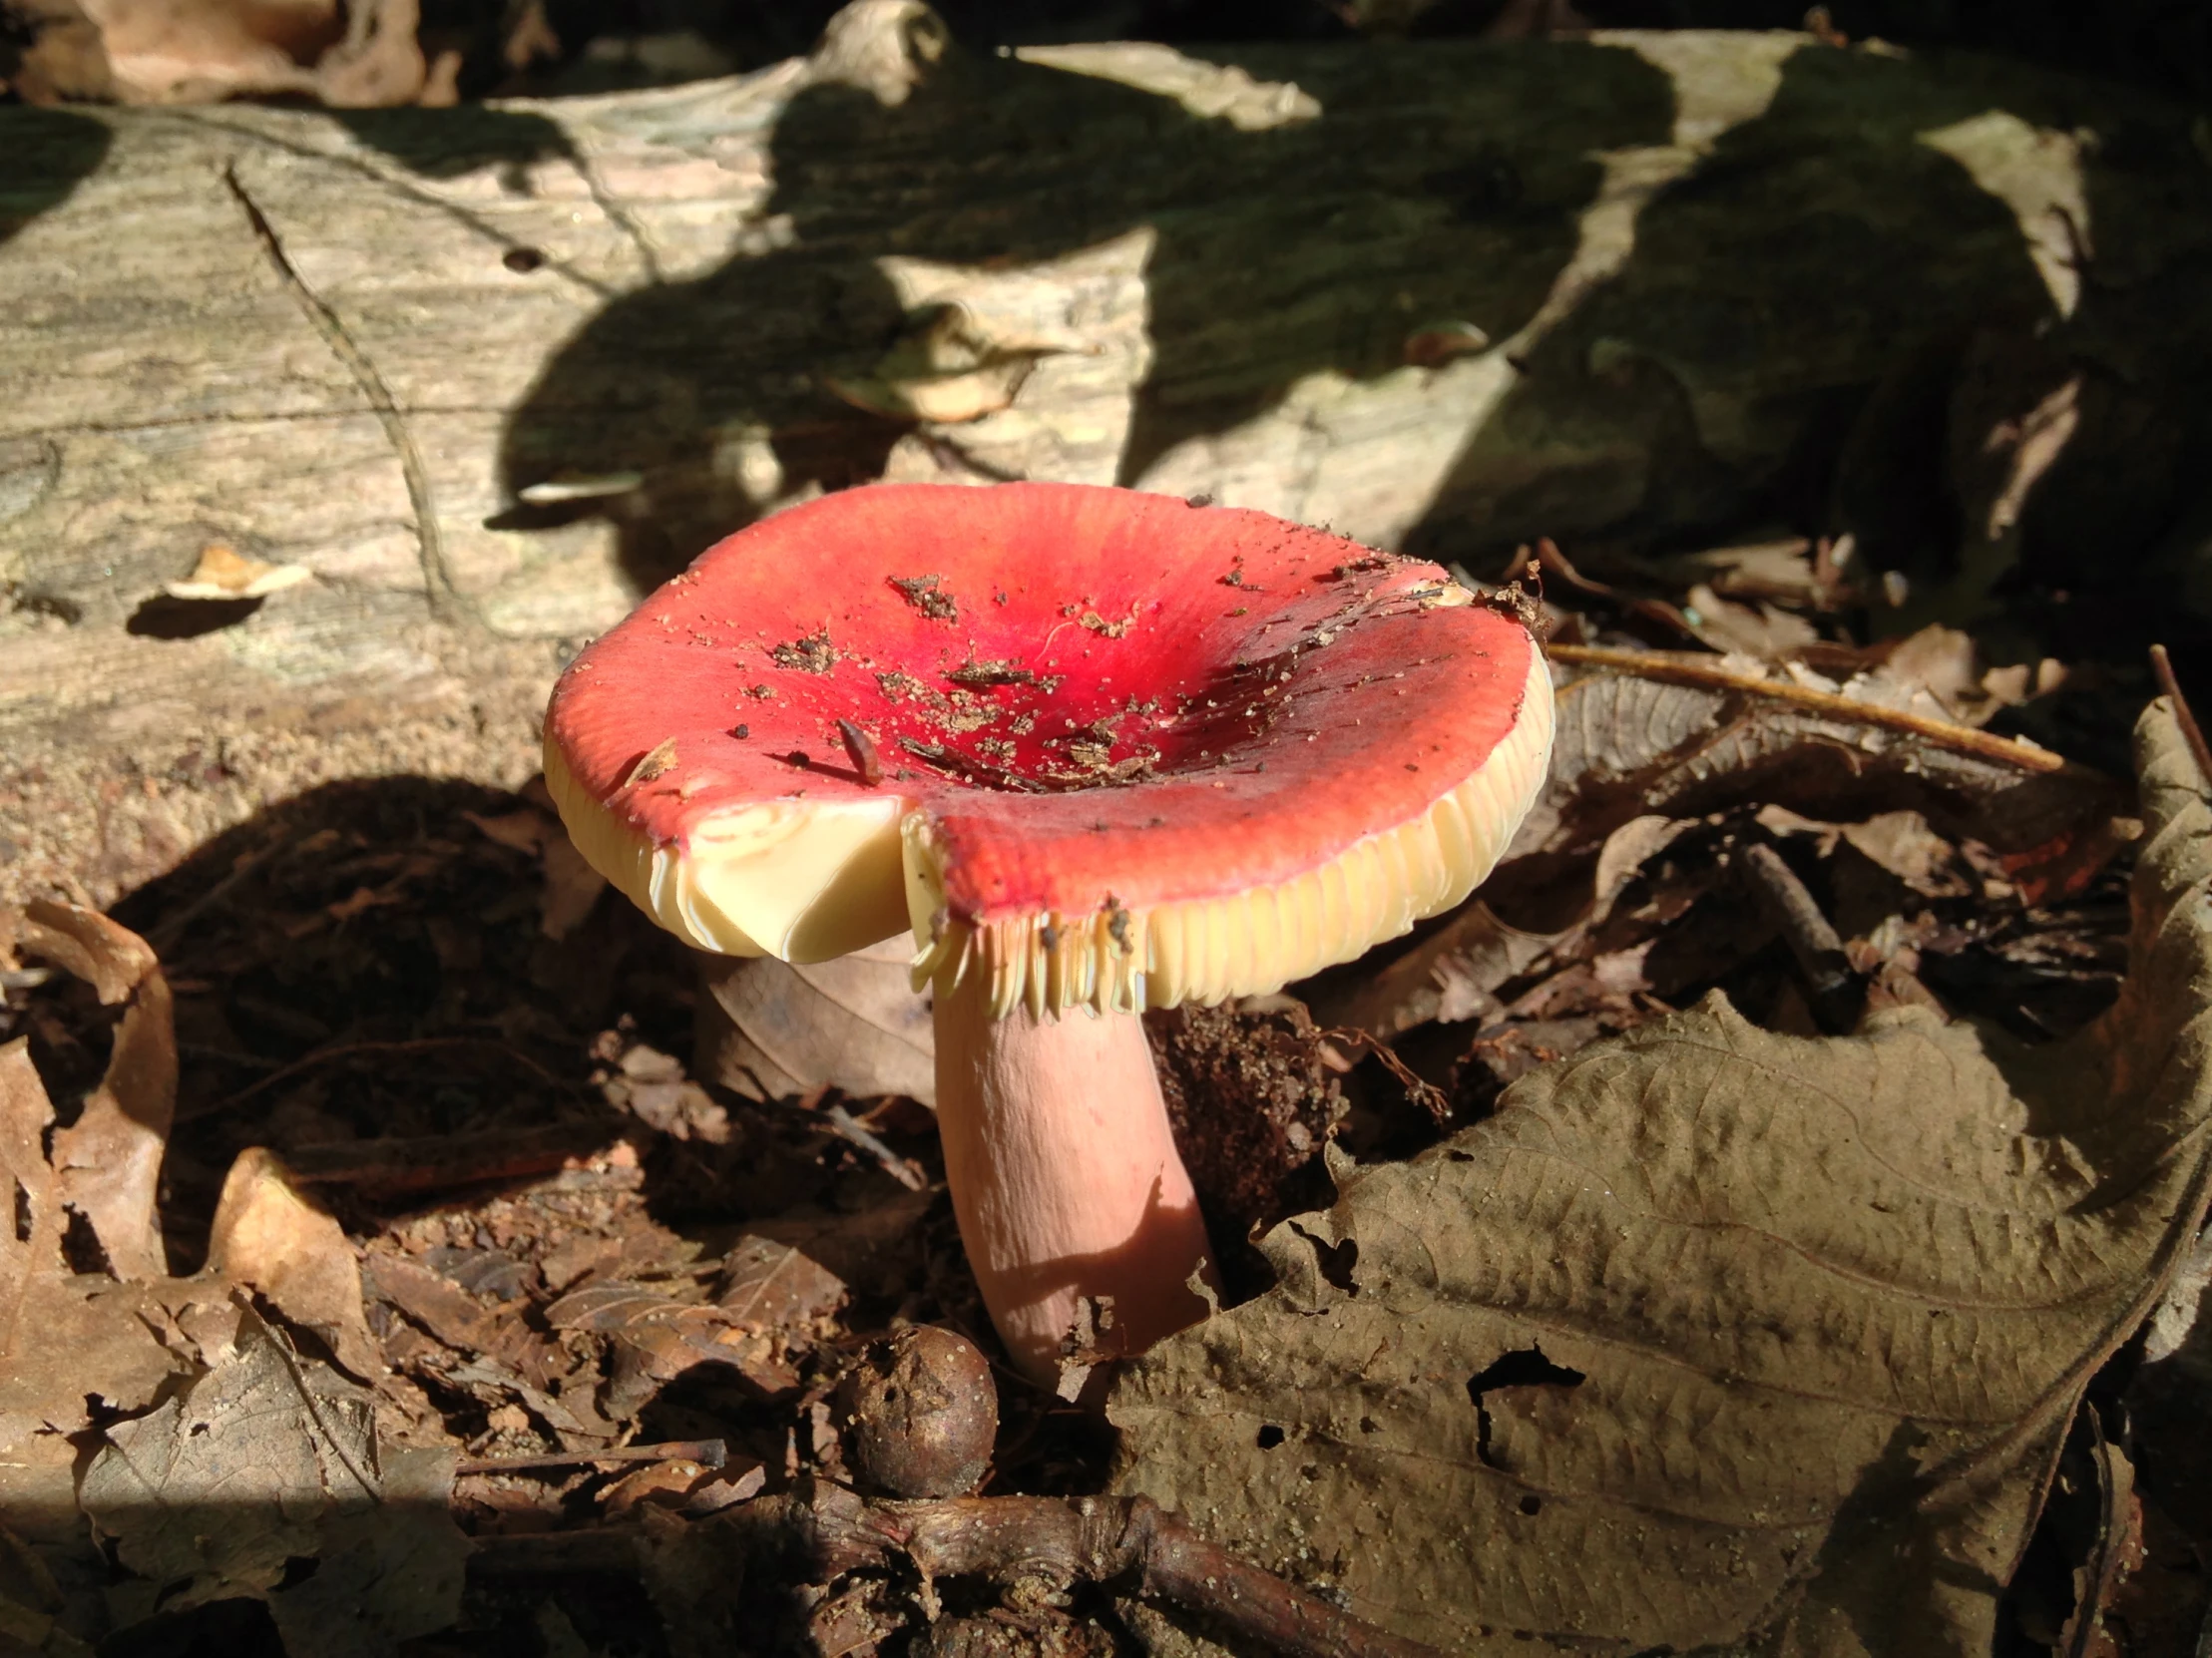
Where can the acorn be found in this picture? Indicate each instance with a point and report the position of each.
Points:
(922, 1415)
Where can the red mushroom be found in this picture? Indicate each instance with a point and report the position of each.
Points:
(1101, 752)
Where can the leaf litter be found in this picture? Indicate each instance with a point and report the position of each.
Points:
(1714, 1335)
(437, 1158)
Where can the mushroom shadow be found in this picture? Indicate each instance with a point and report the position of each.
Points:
(164, 618)
(1252, 284)
(1834, 276)
(447, 143)
(49, 152)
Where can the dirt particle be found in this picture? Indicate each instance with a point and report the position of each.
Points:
(812, 655)
(924, 595)
(651, 765)
(1001, 670)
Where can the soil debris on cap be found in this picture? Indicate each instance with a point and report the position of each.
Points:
(659, 760)
(812, 655)
(1004, 670)
(926, 594)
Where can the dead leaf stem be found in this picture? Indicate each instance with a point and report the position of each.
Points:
(1812, 937)
(1962, 739)
(1094, 1538)
(708, 1454)
(2184, 717)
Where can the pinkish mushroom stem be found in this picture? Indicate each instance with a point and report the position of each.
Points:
(1063, 1174)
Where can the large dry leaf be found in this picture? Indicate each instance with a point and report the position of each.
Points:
(70, 1346)
(265, 1458)
(769, 1029)
(110, 1159)
(1713, 1335)
(29, 1249)
(269, 1236)
(772, 1305)
(1629, 747)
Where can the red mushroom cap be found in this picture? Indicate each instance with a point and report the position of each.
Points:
(1139, 751)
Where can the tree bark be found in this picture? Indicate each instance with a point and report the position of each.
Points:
(489, 373)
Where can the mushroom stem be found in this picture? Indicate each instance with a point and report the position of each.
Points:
(1063, 1174)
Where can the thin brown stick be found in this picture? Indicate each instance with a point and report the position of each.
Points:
(1094, 1538)
(347, 1051)
(1812, 937)
(1419, 1090)
(1100, 1540)
(1962, 739)
(708, 1454)
(851, 1129)
(437, 1162)
(2191, 733)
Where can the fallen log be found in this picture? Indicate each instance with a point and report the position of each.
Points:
(485, 374)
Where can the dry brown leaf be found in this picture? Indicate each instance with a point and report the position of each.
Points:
(1629, 746)
(651, 1087)
(771, 1305)
(268, 1457)
(58, 57)
(770, 1285)
(572, 885)
(441, 1307)
(1715, 1336)
(1938, 670)
(873, 1248)
(224, 574)
(71, 1347)
(110, 1159)
(270, 1237)
(770, 1030)
(1455, 972)
(1757, 630)
(31, 1248)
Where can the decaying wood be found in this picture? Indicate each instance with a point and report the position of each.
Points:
(487, 374)
(1033, 1547)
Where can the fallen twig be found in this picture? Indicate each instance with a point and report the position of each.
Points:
(1963, 739)
(1812, 939)
(708, 1454)
(435, 1162)
(1089, 1539)
(852, 1129)
(2191, 733)
(1025, 1543)
(1423, 1093)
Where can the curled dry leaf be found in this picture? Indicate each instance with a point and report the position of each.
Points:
(110, 1159)
(771, 1028)
(1711, 1335)
(71, 1348)
(1454, 972)
(268, 1236)
(267, 1458)
(572, 885)
(772, 1302)
(1630, 746)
